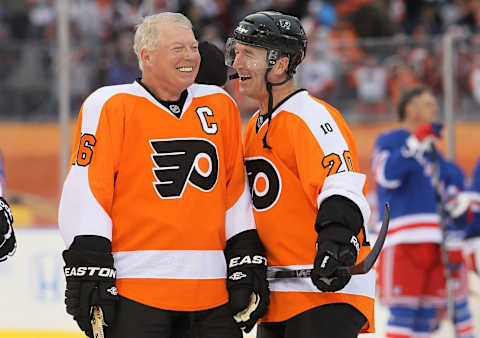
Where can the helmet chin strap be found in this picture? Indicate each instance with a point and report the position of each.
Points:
(270, 103)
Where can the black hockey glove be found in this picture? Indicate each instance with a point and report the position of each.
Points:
(8, 242)
(336, 247)
(247, 279)
(338, 222)
(90, 279)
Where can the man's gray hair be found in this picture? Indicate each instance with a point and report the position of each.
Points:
(146, 33)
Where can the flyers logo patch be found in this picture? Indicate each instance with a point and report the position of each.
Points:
(182, 161)
(264, 181)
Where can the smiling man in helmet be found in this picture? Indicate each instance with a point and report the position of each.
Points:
(308, 197)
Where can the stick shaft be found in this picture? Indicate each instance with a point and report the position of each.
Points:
(361, 268)
(97, 322)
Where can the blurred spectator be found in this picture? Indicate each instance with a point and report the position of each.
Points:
(335, 28)
(346, 7)
(475, 79)
(213, 34)
(371, 20)
(370, 81)
(317, 72)
(402, 78)
(122, 67)
(469, 15)
(421, 58)
(41, 16)
(426, 12)
(323, 12)
(296, 8)
(343, 43)
(17, 18)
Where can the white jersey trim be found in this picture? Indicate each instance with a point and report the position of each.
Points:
(93, 220)
(414, 235)
(363, 285)
(239, 217)
(171, 264)
(402, 221)
(350, 185)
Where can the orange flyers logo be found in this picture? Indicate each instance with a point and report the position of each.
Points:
(264, 181)
(179, 161)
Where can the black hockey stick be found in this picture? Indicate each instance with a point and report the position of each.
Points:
(361, 268)
(436, 183)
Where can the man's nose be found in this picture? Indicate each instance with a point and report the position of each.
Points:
(190, 53)
(237, 62)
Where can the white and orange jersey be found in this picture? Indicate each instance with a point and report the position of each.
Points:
(167, 191)
(313, 156)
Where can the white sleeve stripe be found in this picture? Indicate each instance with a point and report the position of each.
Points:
(79, 212)
(240, 216)
(349, 185)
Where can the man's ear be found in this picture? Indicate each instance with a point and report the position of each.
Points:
(281, 66)
(145, 55)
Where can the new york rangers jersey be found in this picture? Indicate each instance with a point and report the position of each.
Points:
(167, 189)
(404, 179)
(473, 229)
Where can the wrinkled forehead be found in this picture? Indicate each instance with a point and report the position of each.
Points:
(169, 33)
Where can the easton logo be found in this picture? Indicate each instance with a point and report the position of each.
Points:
(179, 161)
(264, 181)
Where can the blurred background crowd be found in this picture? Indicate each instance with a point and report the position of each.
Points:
(361, 52)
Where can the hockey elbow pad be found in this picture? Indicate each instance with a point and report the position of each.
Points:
(338, 222)
(8, 242)
(90, 275)
(247, 283)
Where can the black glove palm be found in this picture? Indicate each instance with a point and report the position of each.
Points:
(247, 279)
(90, 279)
(8, 242)
(337, 247)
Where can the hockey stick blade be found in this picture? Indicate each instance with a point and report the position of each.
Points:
(361, 268)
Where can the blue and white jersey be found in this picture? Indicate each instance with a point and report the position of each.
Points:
(473, 229)
(455, 184)
(404, 180)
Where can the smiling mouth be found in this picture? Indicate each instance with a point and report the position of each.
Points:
(185, 69)
(245, 78)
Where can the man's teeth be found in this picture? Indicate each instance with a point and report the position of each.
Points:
(185, 69)
(244, 77)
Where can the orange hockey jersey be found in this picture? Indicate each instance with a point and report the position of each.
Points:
(167, 191)
(313, 156)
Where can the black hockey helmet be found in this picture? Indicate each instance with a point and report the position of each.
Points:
(281, 34)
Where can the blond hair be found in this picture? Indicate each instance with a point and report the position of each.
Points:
(146, 33)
